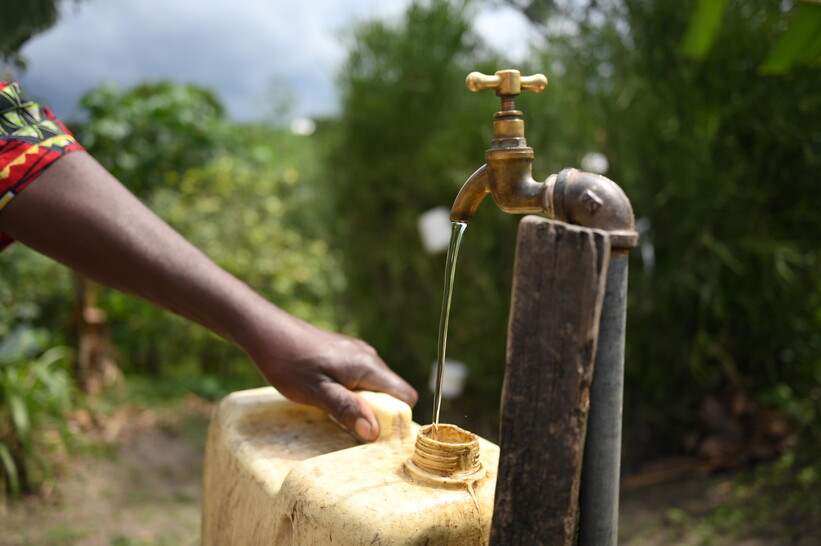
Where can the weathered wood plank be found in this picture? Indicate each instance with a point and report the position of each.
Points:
(558, 288)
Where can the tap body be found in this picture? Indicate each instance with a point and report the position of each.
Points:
(573, 196)
(507, 174)
(509, 181)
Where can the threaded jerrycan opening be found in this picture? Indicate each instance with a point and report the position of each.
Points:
(445, 455)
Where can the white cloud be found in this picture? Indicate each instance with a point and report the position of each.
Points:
(237, 47)
(508, 31)
(240, 48)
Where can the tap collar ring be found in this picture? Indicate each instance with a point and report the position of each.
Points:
(508, 114)
(502, 152)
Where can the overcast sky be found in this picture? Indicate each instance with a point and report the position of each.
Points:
(241, 48)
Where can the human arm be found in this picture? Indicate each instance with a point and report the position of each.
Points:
(80, 215)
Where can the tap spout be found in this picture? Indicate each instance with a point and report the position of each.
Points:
(470, 196)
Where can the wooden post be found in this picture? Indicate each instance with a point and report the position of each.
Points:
(558, 289)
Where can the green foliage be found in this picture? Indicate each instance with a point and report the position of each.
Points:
(703, 29)
(23, 20)
(35, 392)
(233, 209)
(34, 290)
(800, 43)
(408, 138)
(722, 163)
(778, 502)
(143, 133)
(242, 194)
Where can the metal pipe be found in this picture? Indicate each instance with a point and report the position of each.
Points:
(592, 200)
(599, 494)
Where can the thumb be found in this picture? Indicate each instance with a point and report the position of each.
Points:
(349, 409)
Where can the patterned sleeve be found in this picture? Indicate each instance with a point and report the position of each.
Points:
(31, 139)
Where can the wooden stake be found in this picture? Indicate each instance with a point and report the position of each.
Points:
(558, 289)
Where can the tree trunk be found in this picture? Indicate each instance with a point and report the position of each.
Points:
(96, 367)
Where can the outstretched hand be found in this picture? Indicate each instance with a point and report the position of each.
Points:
(313, 366)
(78, 214)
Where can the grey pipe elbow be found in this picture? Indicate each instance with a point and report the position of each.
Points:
(593, 201)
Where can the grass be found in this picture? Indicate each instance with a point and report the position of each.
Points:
(773, 503)
(64, 534)
(781, 499)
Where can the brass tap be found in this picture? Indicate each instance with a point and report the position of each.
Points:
(573, 196)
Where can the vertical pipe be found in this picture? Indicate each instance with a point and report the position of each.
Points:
(599, 495)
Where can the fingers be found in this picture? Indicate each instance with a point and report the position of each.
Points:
(379, 377)
(383, 379)
(322, 368)
(349, 409)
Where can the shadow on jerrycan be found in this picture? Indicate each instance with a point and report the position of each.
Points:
(277, 472)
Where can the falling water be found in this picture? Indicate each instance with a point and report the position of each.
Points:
(456, 231)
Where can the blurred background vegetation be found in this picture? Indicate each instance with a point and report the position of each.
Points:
(708, 115)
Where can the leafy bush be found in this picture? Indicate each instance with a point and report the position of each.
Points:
(35, 392)
(235, 210)
(721, 162)
(240, 193)
(34, 290)
(142, 133)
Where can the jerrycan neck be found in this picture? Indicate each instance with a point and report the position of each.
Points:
(445, 455)
(442, 455)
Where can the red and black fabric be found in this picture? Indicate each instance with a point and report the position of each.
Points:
(31, 139)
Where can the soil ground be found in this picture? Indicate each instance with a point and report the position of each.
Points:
(146, 490)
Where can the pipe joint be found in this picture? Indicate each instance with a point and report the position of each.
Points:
(593, 201)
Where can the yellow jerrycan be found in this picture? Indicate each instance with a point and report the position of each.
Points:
(281, 473)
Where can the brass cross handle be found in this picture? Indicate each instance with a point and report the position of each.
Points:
(506, 82)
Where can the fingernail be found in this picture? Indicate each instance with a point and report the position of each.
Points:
(362, 428)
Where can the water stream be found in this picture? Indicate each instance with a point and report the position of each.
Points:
(456, 231)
